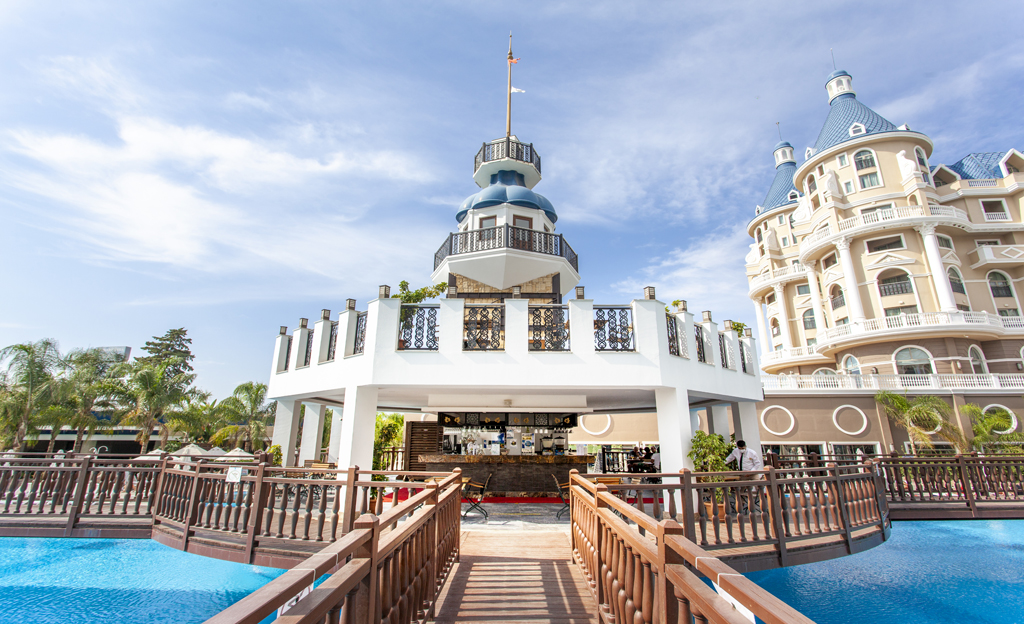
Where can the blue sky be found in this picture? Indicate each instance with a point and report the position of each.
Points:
(230, 167)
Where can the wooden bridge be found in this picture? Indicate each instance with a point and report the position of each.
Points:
(388, 545)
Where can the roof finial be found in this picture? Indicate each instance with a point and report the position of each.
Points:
(779, 128)
(829, 51)
(508, 103)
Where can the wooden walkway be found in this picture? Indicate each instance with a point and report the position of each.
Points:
(516, 577)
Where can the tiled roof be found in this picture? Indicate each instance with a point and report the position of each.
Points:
(778, 193)
(845, 111)
(979, 165)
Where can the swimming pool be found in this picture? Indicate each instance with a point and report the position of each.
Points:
(936, 572)
(96, 581)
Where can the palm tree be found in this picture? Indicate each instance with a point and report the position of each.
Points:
(146, 393)
(248, 412)
(987, 425)
(30, 377)
(920, 417)
(87, 385)
(197, 418)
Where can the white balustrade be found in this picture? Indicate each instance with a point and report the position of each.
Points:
(893, 382)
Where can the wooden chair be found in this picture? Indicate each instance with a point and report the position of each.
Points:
(562, 494)
(477, 489)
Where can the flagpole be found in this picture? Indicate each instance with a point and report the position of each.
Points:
(508, 104)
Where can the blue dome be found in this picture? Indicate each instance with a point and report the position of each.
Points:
(836, 74)
(780, 145)
(507, 187)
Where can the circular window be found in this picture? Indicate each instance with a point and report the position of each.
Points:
(1013, 418)
(764, 422)
(863, 420)
(607, 425)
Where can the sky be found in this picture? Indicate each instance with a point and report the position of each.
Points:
(229, 167)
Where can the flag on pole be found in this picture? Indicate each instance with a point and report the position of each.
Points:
(512, 60)
(514, 90)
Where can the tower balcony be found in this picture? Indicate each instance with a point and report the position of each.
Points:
(505, 256)
(506, 153)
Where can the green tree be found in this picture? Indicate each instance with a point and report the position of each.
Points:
(248, 413)
(387, 433)
(86, 394)
(198, 418)
(986, 427)
(146, 394)
(708, 452)
(420, 294)
(29, 386)
(921, 416)
(172, 348)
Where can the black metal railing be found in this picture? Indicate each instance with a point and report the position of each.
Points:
(288, 353)
(506, 237)
(484, 328)
(673, 335)
(507, 148)
(1001, 291)
(723, 350)
(309, 349)
(838, 301)
(957, 286)
(549, 328)
(698, 334)
(417, 328)
(332, 346)
(901, 287)
(864, 162)
(743, 357)
(360, 341)
(613, 329)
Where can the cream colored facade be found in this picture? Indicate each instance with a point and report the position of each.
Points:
(882, 269)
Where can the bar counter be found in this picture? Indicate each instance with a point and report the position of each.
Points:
(512, 475)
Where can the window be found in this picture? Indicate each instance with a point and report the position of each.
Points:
(883, 244)
(838, 299)
(955, 281)
(824, 371)
(782, 219)
(913, 361)
(759, 238)
(785, 241)
(821, 170)
(864, 159)
(920, 157)
(977, 361)
(995, 210)
(812, 184)
(522, 222)
(488, 222)
(770, 299)
(793, 196)
(776, 330)
(803, 289)
(808, 317)
(778, 347)
(842, 321)
(895, 285)
(963, 308)
(812, 342)
(901, 310)
(945, 242)
(1009, 312)
(842, 160)
(991, 242)
(848, 187)
(869, 180)
(851, 365)
(828, 261)
(856, 129)
(999, 284)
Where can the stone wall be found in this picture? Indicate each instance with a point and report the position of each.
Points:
(539, 285)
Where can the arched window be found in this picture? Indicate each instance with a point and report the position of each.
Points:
(978, 365)
(921, 160)
(812, 184)
(836, 297)
(809, 319)
(824, 371)
(894, 282)
(864, 159)
(913, 361)
(955, 281)
(759, 238)
(776, 330)
(999, 284)
(851, 365)
(793, 196)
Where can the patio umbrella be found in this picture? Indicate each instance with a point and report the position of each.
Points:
(216, 451)
(154, 454)
(235, 454)
(192, 450)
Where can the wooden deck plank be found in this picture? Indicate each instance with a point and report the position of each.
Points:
(516, 577)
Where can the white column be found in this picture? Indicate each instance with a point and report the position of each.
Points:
(581, 326)
(335, 444)
(355, 448)
(517, 323)
(780, 302)
(746, 424)
(312, 433)
(762, 333)
(940, 281)
(852, 291)
(286, 428)
(819, 311)
(718, 420)
(675, 430)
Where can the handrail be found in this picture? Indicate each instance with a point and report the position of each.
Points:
(1002, 381)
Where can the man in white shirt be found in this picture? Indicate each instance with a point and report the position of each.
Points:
(745, 458)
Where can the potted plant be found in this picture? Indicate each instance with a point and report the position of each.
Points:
(708, 452)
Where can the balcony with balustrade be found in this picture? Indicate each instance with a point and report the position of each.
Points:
(992, 256)
(506, 153)
(870, 384)
(761, 284)
(981, 325)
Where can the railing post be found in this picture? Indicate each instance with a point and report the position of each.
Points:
(259, 500)
(777, 519)
(366, 600)
(155, 505)
(602, 599)
(844, 513)
(433, 532)
(81, 484)
(967, 484)
(667, 607)
(879, 481)
(348, 518)
(193, 504)
(687, 494)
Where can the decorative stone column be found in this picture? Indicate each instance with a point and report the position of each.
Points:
(359, 419)
(787, 338)
(819, 311)
(762, 334)
(852, 292)
(675, 429)
(940, 281)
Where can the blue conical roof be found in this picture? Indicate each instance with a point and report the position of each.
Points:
(979, 165)
(782, 185)
(845, 111)
(506, 187)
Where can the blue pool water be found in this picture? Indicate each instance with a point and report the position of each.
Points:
(927, 573)
(96, 581)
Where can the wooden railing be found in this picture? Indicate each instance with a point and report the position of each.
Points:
(644, 570)
(389, 567)
(761, 517)
(924, 488)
